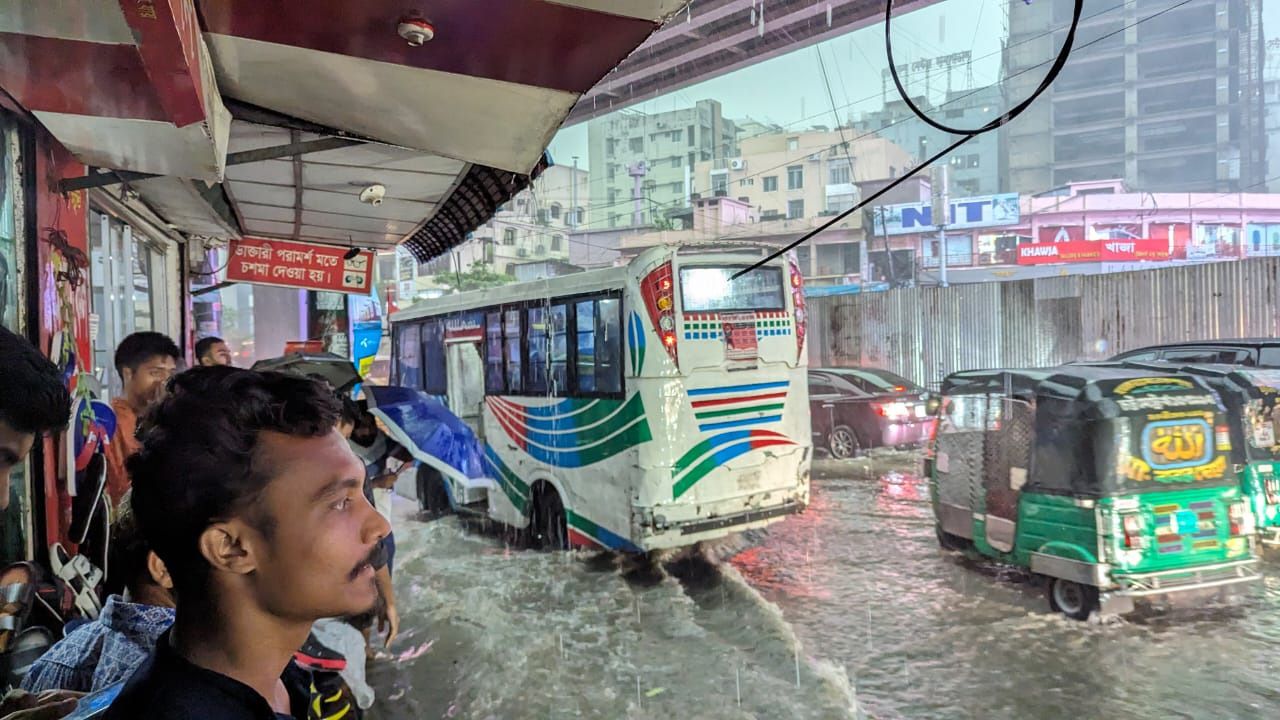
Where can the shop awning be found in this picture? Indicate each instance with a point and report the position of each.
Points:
(451, 127)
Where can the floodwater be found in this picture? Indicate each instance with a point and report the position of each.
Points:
(847, 611)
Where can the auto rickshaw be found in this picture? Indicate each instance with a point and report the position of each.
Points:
(1250, 395)
(1112, 483)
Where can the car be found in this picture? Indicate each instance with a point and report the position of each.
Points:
(1249, 352)
(855, 409)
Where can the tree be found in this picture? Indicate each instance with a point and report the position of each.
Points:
(480, 276)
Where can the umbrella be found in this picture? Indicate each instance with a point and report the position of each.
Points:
(432, 434)
(334, 369)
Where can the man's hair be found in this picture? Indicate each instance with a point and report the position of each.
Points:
(33, 398)
(204, 345)
(141, 347)
(127, 556)
(199, 460)
(351, 412)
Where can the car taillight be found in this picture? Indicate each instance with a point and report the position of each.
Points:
(1133, 539)
(797, 300)
(659, 299)
(1240, 518)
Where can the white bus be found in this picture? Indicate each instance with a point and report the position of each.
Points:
(635, 408)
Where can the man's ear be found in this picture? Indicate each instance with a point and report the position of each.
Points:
(158, 571)
(126, 375)
(228, 547)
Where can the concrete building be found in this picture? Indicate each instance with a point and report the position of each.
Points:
(534, 227)
(1170, 104)
(975, 166)
(652, 157)
(1271, 111)
(799, 175)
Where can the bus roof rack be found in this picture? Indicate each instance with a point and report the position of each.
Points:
(703, 245)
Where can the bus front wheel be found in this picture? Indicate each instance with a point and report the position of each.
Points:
(548, 526)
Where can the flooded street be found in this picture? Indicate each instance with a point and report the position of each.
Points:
(853, 598)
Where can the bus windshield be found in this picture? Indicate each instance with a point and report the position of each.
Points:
(714, 289)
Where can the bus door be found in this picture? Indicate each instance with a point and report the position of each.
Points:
(465, 388)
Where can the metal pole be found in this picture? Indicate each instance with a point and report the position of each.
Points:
(576, 219)
(942, 253)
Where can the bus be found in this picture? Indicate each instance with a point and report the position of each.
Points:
(640, 407)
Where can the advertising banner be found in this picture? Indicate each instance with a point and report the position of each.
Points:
(973, 212)
(1139, 250)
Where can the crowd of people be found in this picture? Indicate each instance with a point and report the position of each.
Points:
(249, 517)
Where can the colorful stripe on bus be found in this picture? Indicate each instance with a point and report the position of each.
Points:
(636, 341)
(576, 432)
(717, 450)
(734, 406)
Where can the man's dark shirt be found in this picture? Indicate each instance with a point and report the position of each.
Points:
(168, 687)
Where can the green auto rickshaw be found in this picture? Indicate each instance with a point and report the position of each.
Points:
(1249, 395)
(1112, 483)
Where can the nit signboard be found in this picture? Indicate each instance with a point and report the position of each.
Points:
(966, 213)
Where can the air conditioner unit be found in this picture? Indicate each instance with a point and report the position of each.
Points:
(661, 124)
(737, 164)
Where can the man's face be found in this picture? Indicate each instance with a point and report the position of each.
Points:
(314, 561)
(14, 447)
(145, 386)
(217, 354)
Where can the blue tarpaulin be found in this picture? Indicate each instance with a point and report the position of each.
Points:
(430, 432)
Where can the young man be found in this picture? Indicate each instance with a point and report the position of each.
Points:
(33, 402)
(145, 362)
(100, 654)
(249, 494)
(212, 351)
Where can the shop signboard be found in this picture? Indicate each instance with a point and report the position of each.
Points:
(966, 213)
(1110, 251)
(308, 266)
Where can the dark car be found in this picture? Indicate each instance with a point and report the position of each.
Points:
(855, 409)
(1259, 352)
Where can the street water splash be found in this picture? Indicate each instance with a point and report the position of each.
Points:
(522, 634)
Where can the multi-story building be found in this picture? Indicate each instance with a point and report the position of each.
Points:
(1271, 111)
(975, 166)
(641, 164)
(534, 227)
(799, 175)
(1172, 103)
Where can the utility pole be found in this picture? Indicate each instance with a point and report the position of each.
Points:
(940, 211)
(576, 219)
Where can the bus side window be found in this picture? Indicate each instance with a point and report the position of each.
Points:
(586, 347)
(433, 359)
(511, 332)
(609, 345)
(560, 350)
(408, 357)
(537, 380)
(494, 380)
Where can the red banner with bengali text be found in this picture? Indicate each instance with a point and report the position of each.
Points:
(300, 265)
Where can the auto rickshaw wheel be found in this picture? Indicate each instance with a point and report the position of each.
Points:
(844, 443)
(1072, 599)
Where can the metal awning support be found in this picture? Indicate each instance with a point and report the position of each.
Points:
(115, 177)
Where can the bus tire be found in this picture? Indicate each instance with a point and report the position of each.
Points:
(549, 526)
(1072, 599)
(844, 443)
(433, 497)
(947, 541)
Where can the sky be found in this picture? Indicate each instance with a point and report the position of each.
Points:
(789, 90)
